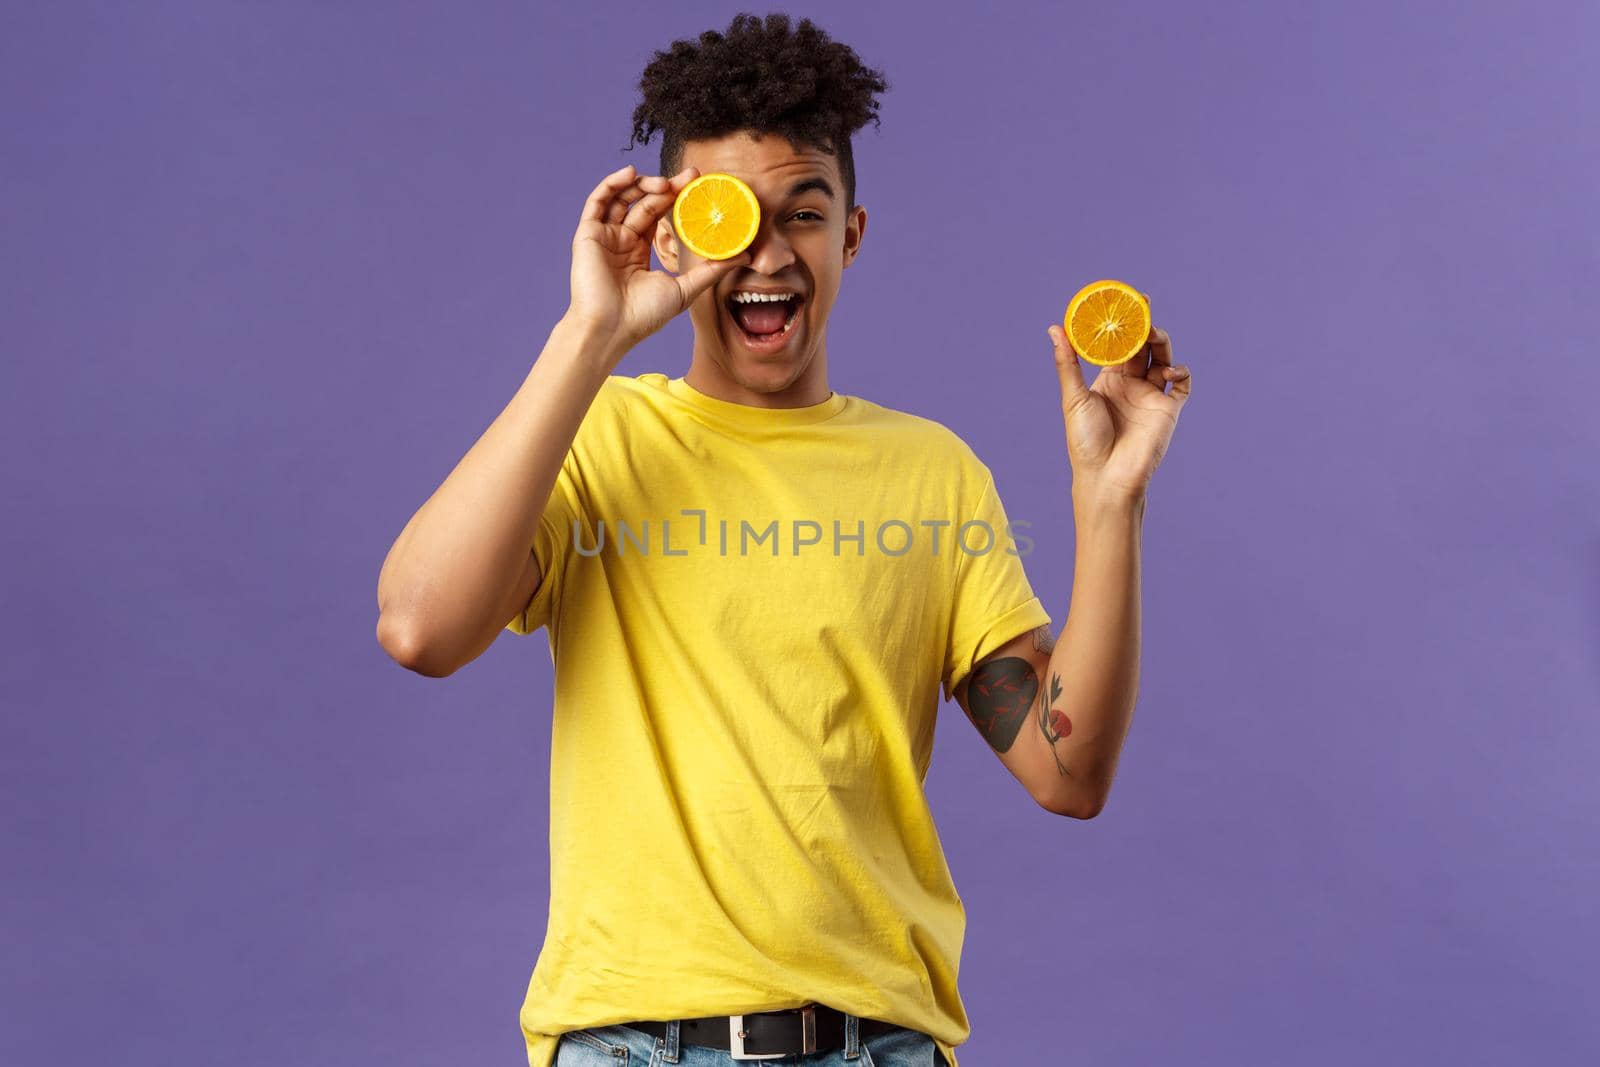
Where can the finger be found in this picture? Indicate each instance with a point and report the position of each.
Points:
(655, 207)
(617, 210)
(1068, 369)
(625, 198)
(681, 180)
(649, 210)
(703, 275)
(1160, 343)
(600, 200)
(1180, 379)
(1159, 346)
(631, 195)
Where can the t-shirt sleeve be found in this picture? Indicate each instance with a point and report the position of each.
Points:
(992, 601)
(551, 547)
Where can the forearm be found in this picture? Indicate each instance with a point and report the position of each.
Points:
(447, 574)
(1096, 658)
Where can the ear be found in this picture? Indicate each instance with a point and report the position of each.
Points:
(855, 228)
(665, 243)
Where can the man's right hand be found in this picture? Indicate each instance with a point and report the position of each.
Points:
(613, 288)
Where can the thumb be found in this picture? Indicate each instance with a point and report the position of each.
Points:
(1068, 369)
(704, 275)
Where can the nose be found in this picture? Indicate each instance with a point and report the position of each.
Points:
(770, 253)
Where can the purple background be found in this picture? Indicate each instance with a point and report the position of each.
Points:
(269, 270)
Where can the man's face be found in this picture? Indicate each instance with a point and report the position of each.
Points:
(805, 242)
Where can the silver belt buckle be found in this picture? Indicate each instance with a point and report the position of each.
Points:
(808, 1036)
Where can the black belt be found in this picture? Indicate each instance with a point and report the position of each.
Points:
(767, 1034)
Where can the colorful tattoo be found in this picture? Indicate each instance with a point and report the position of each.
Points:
(1054, 722)
(1001, 692)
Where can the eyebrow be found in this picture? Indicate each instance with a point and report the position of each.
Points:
(806, 184)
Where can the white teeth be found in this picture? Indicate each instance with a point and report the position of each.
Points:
(760, 298)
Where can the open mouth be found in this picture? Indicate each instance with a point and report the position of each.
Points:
(764, 325)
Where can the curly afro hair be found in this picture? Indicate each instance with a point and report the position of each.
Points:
(762, 77)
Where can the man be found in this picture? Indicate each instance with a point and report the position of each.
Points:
(754, 588)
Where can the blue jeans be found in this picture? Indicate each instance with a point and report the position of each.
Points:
(620, 1046)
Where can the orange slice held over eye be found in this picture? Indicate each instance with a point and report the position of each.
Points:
(1108, 322)
(716, 216)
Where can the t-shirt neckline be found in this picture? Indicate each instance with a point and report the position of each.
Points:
(748, 415)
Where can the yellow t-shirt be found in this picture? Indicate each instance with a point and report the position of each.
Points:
(747, 671)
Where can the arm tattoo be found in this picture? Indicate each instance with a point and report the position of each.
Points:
(1000, 695)
(1054, 722)
(1002, 691)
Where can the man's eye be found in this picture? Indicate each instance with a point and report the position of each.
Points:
(813, 214)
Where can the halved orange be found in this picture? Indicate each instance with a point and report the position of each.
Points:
(716, 216)
(1108, 322)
